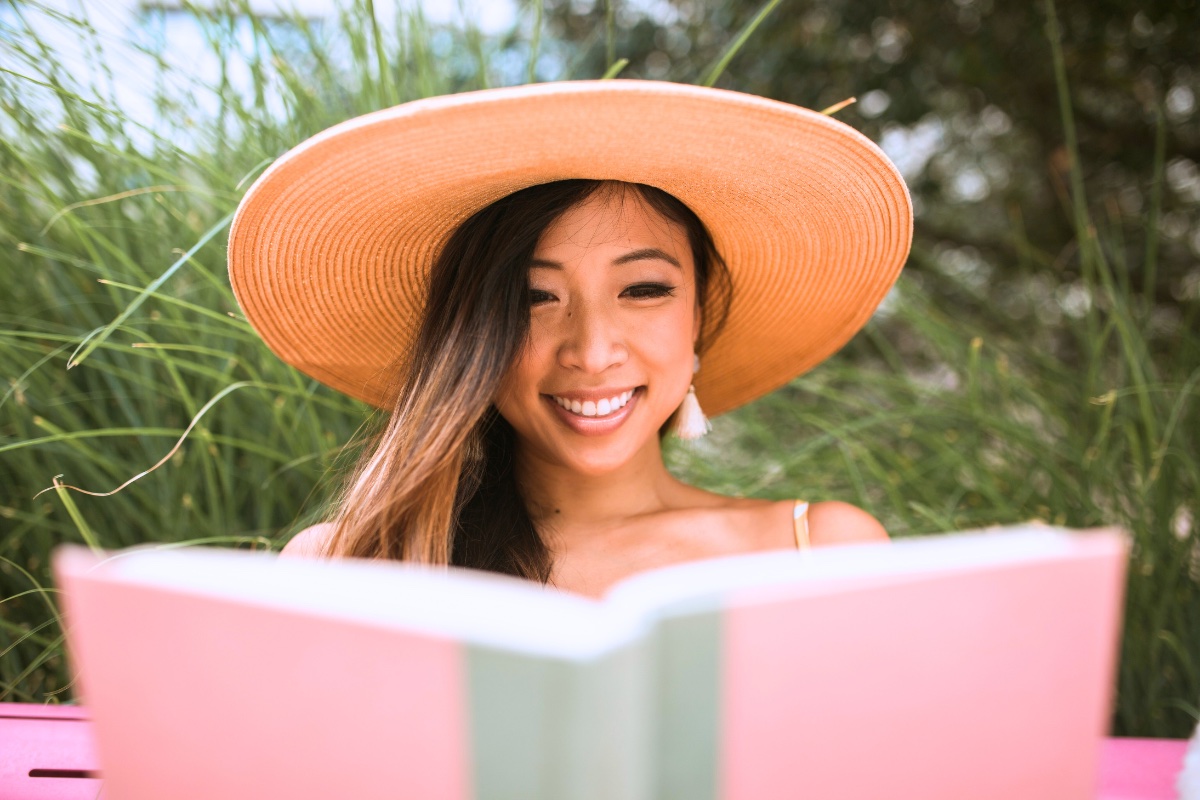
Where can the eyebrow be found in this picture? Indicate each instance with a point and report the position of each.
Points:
(644, 254)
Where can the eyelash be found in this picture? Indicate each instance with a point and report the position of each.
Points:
(655, 290)
(639, 291)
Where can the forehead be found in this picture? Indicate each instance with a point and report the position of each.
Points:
(616, 220)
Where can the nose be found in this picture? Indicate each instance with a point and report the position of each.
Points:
(592, 339)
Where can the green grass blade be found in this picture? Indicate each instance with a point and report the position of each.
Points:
(735, 46)
(95, 341)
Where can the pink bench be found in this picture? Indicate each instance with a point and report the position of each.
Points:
(46, 753)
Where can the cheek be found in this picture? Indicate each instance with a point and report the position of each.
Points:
(671, 337)
(519, 386)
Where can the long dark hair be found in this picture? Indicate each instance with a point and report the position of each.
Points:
(439, 486)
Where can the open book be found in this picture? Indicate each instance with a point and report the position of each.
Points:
(975, 665)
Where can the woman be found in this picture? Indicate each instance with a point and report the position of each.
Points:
(541, 296)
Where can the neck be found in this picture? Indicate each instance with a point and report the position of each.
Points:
(569, 504)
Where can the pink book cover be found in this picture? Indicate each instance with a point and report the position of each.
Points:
(195, 697)
(989, 686)
(973, 665)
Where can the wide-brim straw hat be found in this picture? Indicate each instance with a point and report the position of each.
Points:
(331, 247)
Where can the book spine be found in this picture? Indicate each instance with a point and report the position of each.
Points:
(687, 698)
(548, 729)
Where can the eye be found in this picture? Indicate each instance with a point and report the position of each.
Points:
(539, 296)
(643, 291)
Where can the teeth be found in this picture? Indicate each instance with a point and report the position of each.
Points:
(589, 408)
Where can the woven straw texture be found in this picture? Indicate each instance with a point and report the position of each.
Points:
(330, 248)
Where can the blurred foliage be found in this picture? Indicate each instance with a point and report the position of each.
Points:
(1039, 358)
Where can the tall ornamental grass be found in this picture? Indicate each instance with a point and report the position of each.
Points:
(119, 334)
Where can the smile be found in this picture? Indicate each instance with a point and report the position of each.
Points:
(595, 417)
(599, 408)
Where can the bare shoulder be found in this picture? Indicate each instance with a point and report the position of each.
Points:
(833, 522)
(310, 542)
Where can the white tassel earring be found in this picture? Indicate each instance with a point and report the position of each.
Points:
(690, 422)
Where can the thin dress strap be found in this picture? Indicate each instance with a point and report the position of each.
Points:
(800, 524)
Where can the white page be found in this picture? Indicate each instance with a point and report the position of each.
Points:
(483, 608)
(700, 585)
(517, 615)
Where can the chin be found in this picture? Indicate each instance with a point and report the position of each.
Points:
(598, 460)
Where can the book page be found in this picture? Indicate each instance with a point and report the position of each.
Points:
(700, 585)
(479, 607)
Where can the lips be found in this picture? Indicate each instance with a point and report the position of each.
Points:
(596, 424)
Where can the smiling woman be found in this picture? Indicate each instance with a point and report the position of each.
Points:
(535, 351)
(614, 323)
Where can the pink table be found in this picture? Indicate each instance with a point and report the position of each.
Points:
(1140, 769)
(46, 753)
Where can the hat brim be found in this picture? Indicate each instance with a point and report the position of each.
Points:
(331, 246)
